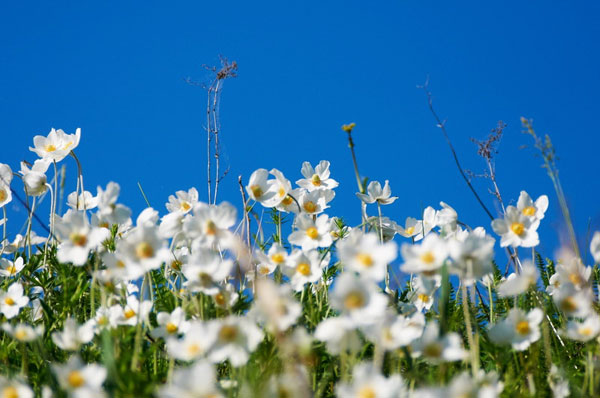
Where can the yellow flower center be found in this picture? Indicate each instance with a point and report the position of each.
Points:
(367, 392)
(20, 334)
(75, 379)
(10, 392)
(278, 258)
(171, 328)
(287, 200)
(103, 321)
(185, 206)
(193, 349)
(568, 304)
(310, 207)
(263, 270)
(3, 195)
(365, 259)
(529, 211)
(575, 279)
(205, 279)
(517, 227)
(316, 180)
(144, 250)
(176, 265)
(129, 313)
(281, 192)
(433, 350)
(423, 297)
(409, 230)
(257, 191)
(120, 264)
(211, 228)
(523, 328)
(354, 300)
(78, 239)
(427, 258)
(9, 301)
(228, 333)
(220, 299)
(50, 148)
(312, 233)
(303, 269)
(11, 269)
(586, 331)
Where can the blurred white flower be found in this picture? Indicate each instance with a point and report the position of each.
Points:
(199, 380)
(35, 179)
(529, 208)
(595, 247)
(311, 234)
(367, 381)
(358, 298)
(518, 329)
(11, 268)
(435, 348)
(74, 335)
(426, 257)
(79, 379)
(14, 389)
(13, 300)
(183, 202)
(85, 201)
(586, 330)
(364, 254)
(516, 284)
(171, 324)
(375, 193)
(23, 332)
(77, 237)
(236, 338)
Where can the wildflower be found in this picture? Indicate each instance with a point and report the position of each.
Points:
(315, 202)
(435, 348)
(427, 257)
(195, 343)
(290, 204)
(595, 247)
(447, 220)
(396, 331)
(358, 298)
(183, 202)
(23, 332)
(261, 189)
(199, 380)
(171, 324)
(77, 237)
(484, 385)
(428, 222)
(584, 331)
(209, 225)
(281, 185)
(472, 257)
(267, 263)
(205, 269)
(275, 306)
(57, 145)
(304, 267)
(348, 127)
(367, 381)
(6, 176)
(226, 296)
(364, 254)
(516, 229)
(530, 208)
(74, 335)
(107, 318)
(13, 300)
(571, 270)
(14, 389)
(11, 268)
(375, 193)
(35, 179)
(518, 329)
(516, 284)
(385, 227)
(237, 337)
(109, 211)
(311, 234)
(317, 178)
(339, 334)
(423, 292)
(83, 201)
(143, 248)
(412, 227)
(558, 383)
(79, 379)
(134, 311)
(573, 302)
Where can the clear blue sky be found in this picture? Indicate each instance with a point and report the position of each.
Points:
(117, 70)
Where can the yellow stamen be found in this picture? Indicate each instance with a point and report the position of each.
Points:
(50, 148)
(257, 191)
(287, 200)
(193, 349)
(75, 379)
(423, 297)
(517, 227)
(176, 265)
(185, 206)
(433, 350)
(409, 230)
(365, 259)
(427, 257)
(312, 233)
(278, 258)
(78, 239)
(9, 301)
(129, 313)
(354, 300)
(586, 331)
(220, 299)
(367, 392)
(11, 269)
(171, 328)
(310, 207)
(568, 305)
(144, 250)
(303, 269)
(10, 392)
(316, 180)
(211, 228)
(3, 195)
(575, 279)
(523, 328)
(20, 334)
(228, 333)
(529, 211)
(263, 270)
(281, 192)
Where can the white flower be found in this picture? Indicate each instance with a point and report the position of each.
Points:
(519, 329)
(377, 194)
(311, 234)
(275, 306)
(209, 225)
(204, 270)
(570, 269)
(423, 292)
(85, 201)
(23, 332)
(74, 335)
(530, 208)
(196, 342)
(14, 389)
(261, 189)
(384, 227)
(109, 211)
(199, 380)
(516, 284)
(364, 254)
(183, 201)
(107, 318)
(558, 383)
(435, 348)
(171, 324)
(57, 145)
(481, 386)
(226, 296)
(11, 268)
(143, 248)
(367, 381)
(290, 204)
(339, 333)
(275, 257)
(412, 228)
(13, 300)
(134, 311)
(237, 337)
(358, 298)
(573, 302)
(446, 219)
(80, 379)
(427, 257)
(35, 179)
(6, 176)
(516, 229)
(472, 257)
(304, 267)
(428, 222)
(584, 331)
(317, 178)
(595, 247)
(315, 202)
(77, 237)
(396, 330)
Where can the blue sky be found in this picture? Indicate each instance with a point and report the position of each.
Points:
(117, 70)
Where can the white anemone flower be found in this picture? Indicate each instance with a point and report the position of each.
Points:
(171, 324)
(339, 334)
(290, 204)
(199, 380)
(14, 389)
(13, 300)
(237, 337)
(427, 257)
(107, 318)
(6, 176)
(275, 306)
(83, 201)
(316, 178)
(134, 311)
(109, 211)
(595, 247)
(572, 301)
(483, 385)
(472, 257)
(143, 248)
(447, 220)
(226, 297)
(311, 234)
(412, 228)
(558, 383)
(34, 178)
(364, 254)
(395, 331)
(195, 343)
(423, 293)
(530, 208)
(11, 268)
(57, 145)
(23, 332)
(261, 189)
(209, 225)
(516, 284)
(358, 298)
(428, 222)
(584, 331)
(367, 381)
(516, 229)
(304, 267)
(435, 348)
(182, 201)
(205, 270)
(79, 379)
(277, 256)
(315, 202)
(74, 335)
(77, 237)
(375, 193)
(281, 186)
(519, 329)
